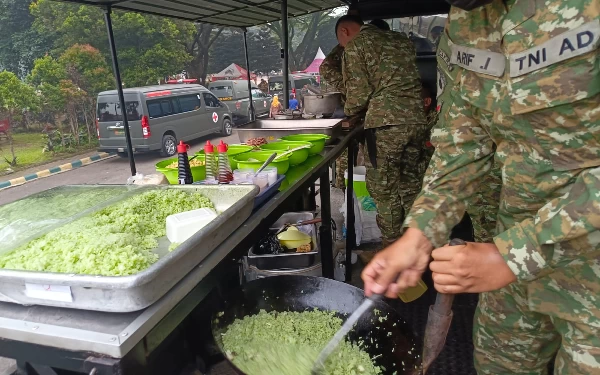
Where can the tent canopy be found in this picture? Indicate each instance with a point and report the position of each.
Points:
(233, 71)
(316, 63)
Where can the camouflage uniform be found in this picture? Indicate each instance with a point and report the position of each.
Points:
(483, 206)
(528, 80)
(381, 77)
(332, 80)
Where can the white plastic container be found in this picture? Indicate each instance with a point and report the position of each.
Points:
(183, 225)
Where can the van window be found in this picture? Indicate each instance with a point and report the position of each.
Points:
(189, 103)
(109, 109)
(277, 85)
(256, 93)
(210, 101)
(222, 91)
(161, 107)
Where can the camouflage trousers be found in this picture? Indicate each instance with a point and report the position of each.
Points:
(483, 208)
(398, 179)
(510, 338)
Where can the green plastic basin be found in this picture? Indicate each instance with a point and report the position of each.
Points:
(317, 141)
(232, 151)
(297, 157)
(198, 173)
(282, 164)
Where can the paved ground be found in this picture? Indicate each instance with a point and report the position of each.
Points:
(111, 171)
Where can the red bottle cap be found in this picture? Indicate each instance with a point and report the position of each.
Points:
(182, 147)
(222, 147)
(209, 148)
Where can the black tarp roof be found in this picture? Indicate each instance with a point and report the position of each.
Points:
(246, 13)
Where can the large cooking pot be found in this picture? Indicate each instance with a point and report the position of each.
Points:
(322, 104)
(386, 336)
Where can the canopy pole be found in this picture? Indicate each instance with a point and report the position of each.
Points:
(285, 54)
(251, 107)
(117, 73)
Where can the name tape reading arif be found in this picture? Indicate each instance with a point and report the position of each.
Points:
(569, 44)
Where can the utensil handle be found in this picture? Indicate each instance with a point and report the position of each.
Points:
(307, 222)
(270, 159)
(443, 302)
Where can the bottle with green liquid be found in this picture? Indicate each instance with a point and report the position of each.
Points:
(413, 293)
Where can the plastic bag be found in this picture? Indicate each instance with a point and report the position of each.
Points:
(149, 179)
(268, 245)
(357, 217)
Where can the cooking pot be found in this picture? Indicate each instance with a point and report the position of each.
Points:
(323, 104)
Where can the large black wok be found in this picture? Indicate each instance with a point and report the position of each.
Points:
(398, 353)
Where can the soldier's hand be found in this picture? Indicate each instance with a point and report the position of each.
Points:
(399, 266)
(471, 268)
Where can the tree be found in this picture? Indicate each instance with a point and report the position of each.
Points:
(263, 50)
(306, 34)
(197, 40)
(15, 98)
(148, 46)
(20, 44)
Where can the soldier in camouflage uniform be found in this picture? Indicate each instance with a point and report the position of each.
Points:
(332, 80)
(528, 80)
(380, 76)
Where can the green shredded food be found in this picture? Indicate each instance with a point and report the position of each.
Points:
(115, 241)
(288, 343)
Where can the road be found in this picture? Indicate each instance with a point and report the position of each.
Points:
(110, 171)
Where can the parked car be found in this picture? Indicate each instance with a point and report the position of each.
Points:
(234, 93)
(297, 84)
(159, 117)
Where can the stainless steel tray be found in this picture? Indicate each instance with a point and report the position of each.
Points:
(288, 260)
(135, 292)
(272, 130)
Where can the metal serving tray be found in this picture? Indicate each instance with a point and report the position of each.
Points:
(135, 292)
(287, 260)
(272, 130)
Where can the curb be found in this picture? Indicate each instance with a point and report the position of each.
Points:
(61, 168)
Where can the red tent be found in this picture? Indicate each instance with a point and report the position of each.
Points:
(313, 68)
(233, 71)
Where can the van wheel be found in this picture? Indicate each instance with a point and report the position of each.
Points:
(227, 127)
(123, 155)
(169, 145)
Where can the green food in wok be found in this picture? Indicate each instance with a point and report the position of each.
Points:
(288, 343)
(115, 241)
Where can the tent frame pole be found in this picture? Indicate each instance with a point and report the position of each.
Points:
(285, 54)
(250, 100)
(117, 73)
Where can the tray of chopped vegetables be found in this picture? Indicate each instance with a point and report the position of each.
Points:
(105, 248)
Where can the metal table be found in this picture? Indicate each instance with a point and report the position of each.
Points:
(45, 340)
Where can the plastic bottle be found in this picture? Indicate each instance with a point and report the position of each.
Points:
(210, 161)
(225, 174)
(184, 172)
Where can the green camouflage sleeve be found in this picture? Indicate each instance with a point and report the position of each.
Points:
(563, 231)
(331, 70)
(463, 156)
(356, 80)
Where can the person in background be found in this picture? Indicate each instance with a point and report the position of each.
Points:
(380, 24)
(380, 78)
(293, 103)
(332, 80)
(263, 86)
(538, 279)
(276, 107)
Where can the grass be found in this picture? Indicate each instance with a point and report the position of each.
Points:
(29, 151)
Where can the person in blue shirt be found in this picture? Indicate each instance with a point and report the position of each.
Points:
(293, 103)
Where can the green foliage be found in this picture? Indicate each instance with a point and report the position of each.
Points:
(15, 95)
(20, 44)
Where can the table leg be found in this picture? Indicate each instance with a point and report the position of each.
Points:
(325, 229)
(350, 232)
